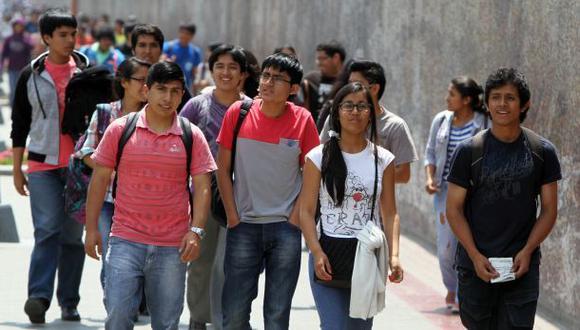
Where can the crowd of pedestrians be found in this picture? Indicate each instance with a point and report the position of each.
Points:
(209, 167)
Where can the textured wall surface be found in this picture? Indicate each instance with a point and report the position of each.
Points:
(423, 44)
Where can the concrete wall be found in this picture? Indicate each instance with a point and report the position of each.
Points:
(423, 44)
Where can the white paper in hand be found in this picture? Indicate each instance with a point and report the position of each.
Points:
(504, 267)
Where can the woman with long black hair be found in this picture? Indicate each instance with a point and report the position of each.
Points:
(353, 181)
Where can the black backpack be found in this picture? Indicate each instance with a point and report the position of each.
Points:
(84, 91)
(477, 155)
(186, 138)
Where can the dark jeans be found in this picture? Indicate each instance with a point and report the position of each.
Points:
(248, 248)
(510, 305)
(58, 241)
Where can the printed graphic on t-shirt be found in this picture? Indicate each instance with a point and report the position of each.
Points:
(503, 173)
(355, 210)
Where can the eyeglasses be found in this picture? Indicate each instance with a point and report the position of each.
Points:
(349, 107)
(140, 80)
(276, 78)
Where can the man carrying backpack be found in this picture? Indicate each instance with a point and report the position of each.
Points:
(494, 182)
(261, 203)
(153, 236)
(39, 108)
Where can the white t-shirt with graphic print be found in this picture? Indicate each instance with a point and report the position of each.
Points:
(345, 221)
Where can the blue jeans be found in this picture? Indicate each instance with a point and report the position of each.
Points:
(446, 241)
(57, 241)
(105, 222)
(333, 306)
(248, 248)
(131, 266)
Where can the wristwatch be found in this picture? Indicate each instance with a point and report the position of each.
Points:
(199, 231)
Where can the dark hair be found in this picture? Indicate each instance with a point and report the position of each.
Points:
(373, 72)
(468, 87)
(120, 22)
(285, 63)
(236, 53)
(214, 46)
(163, 72)
(280, 49)
(341, 80)
(52, 19)
(149, 30)
(333, 168)
(128, 29)
(252, 81)
(125, 71)
(509, 76)
(106, 32)
(331, 48)
(189, 27)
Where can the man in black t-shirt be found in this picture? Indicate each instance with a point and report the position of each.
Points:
(316, 85)
(492, 210)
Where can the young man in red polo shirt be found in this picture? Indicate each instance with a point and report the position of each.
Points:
(153, 236)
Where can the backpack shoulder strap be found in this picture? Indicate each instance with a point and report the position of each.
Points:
(128, 130)
(187, 138)
(477, 145)
(244, 110)
(535, 142)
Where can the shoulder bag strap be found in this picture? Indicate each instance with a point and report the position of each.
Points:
(244, 110)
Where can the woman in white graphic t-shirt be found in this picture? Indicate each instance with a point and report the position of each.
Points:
(352, 181)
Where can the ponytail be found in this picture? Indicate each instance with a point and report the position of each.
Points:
(468, 87)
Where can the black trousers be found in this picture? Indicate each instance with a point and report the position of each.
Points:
(510, 305)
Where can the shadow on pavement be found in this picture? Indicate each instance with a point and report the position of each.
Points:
(57, 324)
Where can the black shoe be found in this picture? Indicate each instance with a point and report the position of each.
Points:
(35, 308)
(70, 314)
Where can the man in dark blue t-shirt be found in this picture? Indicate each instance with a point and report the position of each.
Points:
(492, 210)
